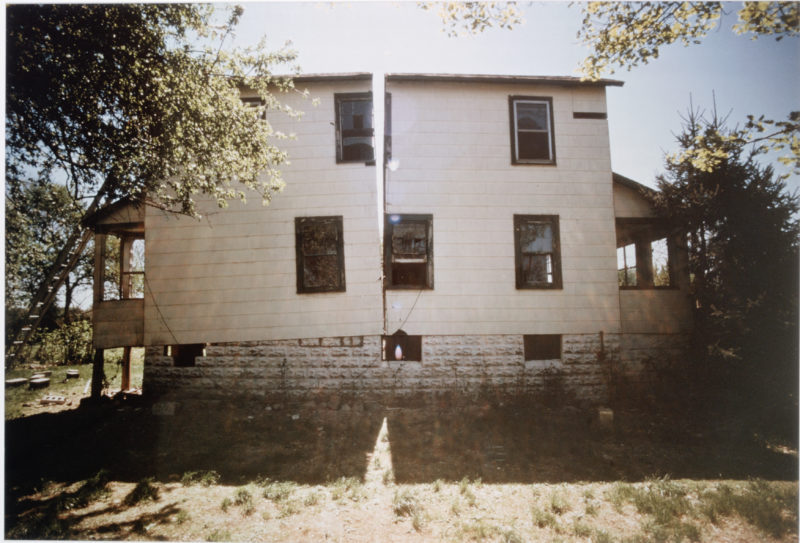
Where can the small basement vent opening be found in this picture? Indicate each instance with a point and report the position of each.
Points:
(400, 346)
(183, 356)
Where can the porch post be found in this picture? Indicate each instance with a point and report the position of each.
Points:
(126, 369)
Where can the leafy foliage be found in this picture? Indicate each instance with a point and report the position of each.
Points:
(626, 34)
(629, 33)
(40, 216)
(142, 100)
(743, 245)
(464, 18)
(71, 343)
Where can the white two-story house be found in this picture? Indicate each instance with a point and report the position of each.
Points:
(438, 234)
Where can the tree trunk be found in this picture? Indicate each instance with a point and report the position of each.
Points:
(68, 288)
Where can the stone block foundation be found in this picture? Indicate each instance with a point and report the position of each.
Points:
(328, 369)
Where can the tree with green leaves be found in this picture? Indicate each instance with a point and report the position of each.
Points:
(142, 101)
(743, 230)
(139, 101)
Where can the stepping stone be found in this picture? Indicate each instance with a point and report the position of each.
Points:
(49, 400)
(38, 375)
(73, 374)
(42, 382)
(19, 381)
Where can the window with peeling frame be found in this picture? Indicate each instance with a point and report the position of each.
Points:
(319, 244)
(408, 246)
(354, 129)
(538, 255)
(532, 140)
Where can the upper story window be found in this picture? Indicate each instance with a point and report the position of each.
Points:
(537, 251)
(319, 245)
(532, 140)
(354, 130)
(408, 246)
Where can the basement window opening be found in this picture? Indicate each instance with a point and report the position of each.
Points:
(542, 346)
(401, 346)
(184, 355)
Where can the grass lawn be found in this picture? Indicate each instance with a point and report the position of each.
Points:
(21, 401)
(378, 474)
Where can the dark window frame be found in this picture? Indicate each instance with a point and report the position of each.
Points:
(339, 99)
(299, 224)
(519, 220)
(388, 268)
(515, 160)
(542, 346)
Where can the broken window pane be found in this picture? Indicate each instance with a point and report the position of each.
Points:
(410, 241)
(320, 254)
(537, 269)
(409, 253)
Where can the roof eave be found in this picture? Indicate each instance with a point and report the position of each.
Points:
(566, 81)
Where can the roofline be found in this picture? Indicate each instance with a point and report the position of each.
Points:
(91, 220)
(633, 185)
(564, 81)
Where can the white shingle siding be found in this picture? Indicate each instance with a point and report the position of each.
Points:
(231, 276)
(453, 144)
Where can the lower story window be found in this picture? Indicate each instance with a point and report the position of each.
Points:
(537, 251)
(408, 246)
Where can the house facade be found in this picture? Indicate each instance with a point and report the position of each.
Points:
(437, 234)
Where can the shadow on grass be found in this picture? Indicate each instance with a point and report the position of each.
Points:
(513, 444)
(537, 444)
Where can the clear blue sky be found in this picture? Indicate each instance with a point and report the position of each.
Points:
(761, 76)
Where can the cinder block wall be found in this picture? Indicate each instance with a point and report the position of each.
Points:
(326, 369)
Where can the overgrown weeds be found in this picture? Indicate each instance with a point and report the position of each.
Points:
(771, 509)
(202, 478)
(406, 504)
(277, 491)
(243, 499)
(348, 487)
(143, 491)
